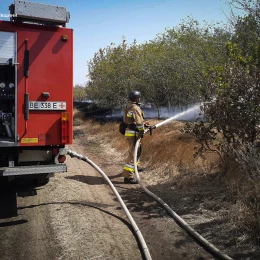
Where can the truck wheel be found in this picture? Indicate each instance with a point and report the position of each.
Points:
(8, 204)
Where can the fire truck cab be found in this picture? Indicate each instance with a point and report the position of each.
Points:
(36, 94)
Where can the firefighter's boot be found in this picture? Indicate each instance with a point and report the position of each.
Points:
(130, 181)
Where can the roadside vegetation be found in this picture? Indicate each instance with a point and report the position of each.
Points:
(217, 65)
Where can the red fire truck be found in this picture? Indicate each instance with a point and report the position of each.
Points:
(36, 93)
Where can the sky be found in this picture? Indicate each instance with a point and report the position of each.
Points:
(98, 23)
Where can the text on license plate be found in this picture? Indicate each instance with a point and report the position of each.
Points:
(39, 105)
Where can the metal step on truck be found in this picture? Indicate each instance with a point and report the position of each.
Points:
(36, 95)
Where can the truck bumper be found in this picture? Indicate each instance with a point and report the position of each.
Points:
(29, 170)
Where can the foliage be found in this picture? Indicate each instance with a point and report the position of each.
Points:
(168, 70)
(79, 93)
(112, 74)
(233, 95)
(232, 112)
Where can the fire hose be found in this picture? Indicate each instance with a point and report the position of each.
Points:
(206, 244)
(134, 225)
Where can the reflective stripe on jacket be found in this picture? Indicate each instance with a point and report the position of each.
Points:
(131, 133)
(129, 167)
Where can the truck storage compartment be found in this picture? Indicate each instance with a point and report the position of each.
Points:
(40, 13)
(7, 103)
(7, 85)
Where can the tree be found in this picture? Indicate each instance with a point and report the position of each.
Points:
(79, 93)
(169, 70)
(232, 93)
(112, 74)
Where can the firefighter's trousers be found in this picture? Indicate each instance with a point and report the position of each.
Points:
(128, 171)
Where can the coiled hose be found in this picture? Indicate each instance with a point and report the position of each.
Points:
(134, 225)
(206, 244)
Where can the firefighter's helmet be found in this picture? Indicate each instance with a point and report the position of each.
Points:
(133, 95)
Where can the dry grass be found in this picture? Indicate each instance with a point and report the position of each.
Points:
(169, 146)
(103, 137)
(78, 117)
(166, 154)
(167, 151)
(243, 180)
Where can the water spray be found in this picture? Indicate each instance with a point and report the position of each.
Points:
(192, 109)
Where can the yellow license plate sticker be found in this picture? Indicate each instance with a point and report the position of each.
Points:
(29, 140)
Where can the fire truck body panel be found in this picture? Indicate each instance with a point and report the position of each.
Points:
(49, 83)
(36, 98)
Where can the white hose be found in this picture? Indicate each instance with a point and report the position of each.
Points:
(178, 219)
(134, 225)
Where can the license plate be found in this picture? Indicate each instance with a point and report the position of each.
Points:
(39, 105)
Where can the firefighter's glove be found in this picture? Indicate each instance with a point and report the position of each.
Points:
(147, 124)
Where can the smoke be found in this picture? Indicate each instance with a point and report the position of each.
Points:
(188, 113)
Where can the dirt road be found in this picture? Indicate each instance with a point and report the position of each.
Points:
(77, 216)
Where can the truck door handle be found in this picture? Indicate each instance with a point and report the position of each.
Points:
(11, 63)
(26, 63)
(26, 106)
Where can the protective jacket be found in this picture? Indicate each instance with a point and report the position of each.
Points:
(134, 118)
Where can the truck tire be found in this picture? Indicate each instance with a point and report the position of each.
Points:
(8, 204)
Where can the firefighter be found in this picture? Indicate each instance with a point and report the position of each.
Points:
(134, 119)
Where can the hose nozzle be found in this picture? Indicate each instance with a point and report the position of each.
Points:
(151, 129)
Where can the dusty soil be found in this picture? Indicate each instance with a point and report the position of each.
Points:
(77, 216)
